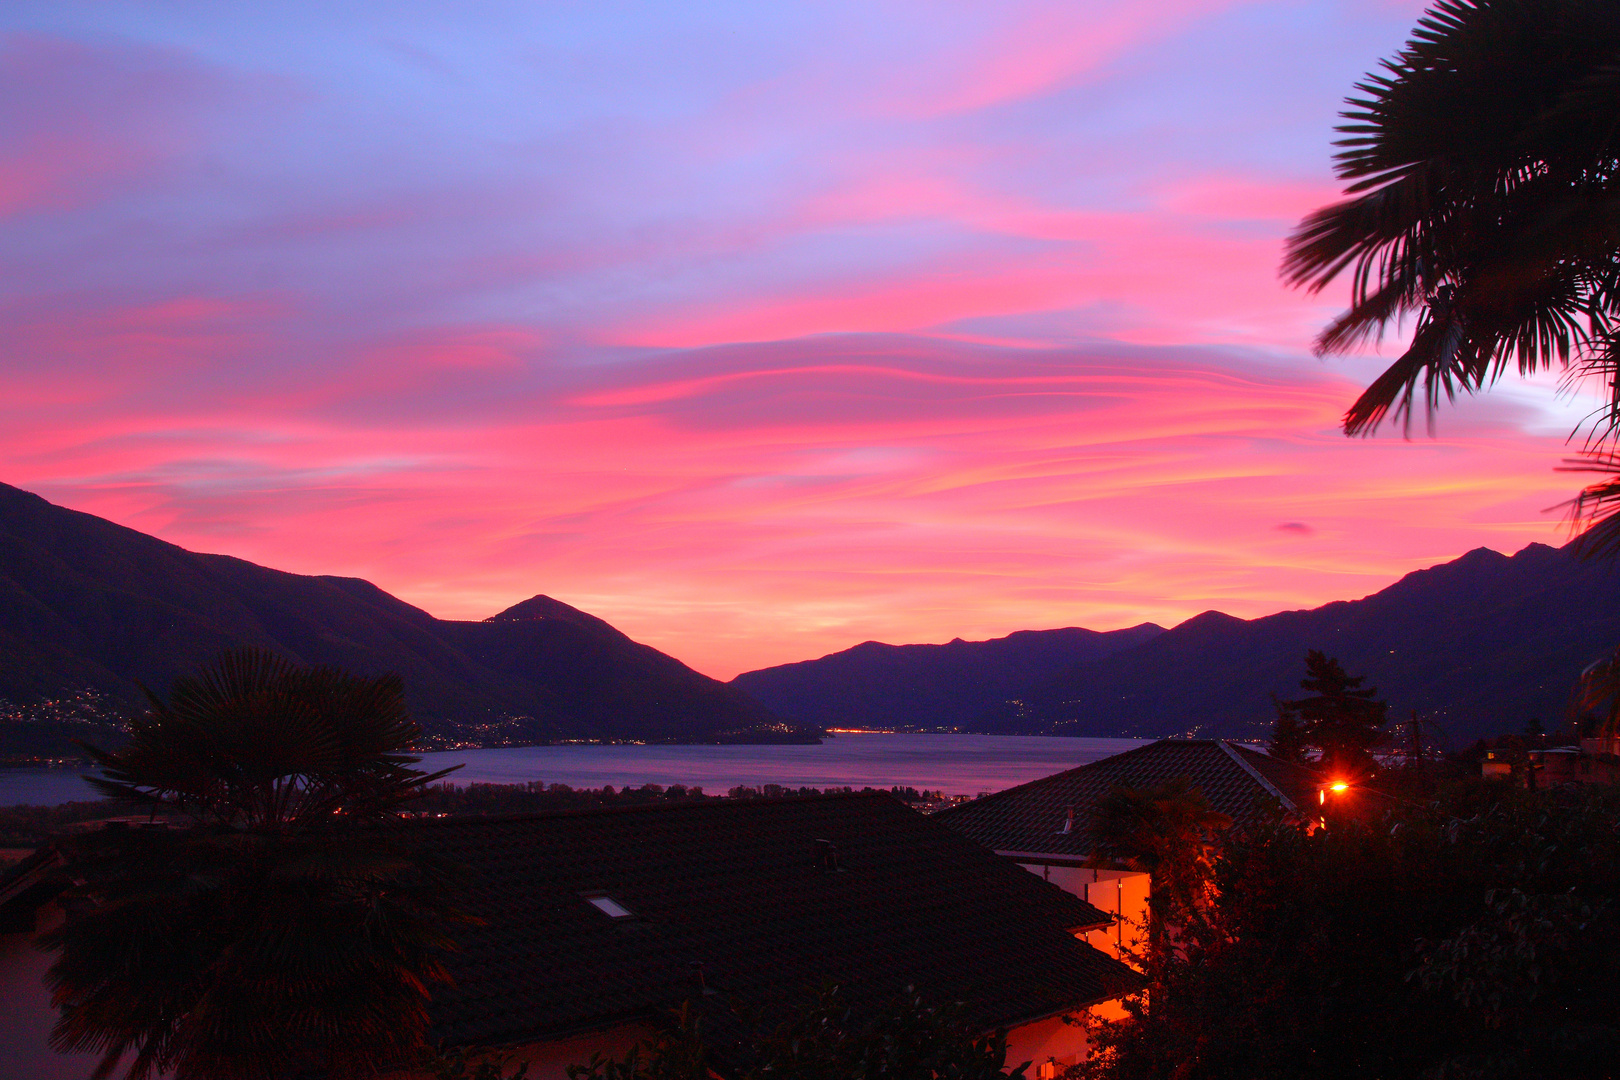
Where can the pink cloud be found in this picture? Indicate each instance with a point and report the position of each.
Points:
(900, 322)
(85, 121)
(751, 505)
(1024, 53)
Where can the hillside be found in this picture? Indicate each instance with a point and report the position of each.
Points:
(1484, 644)
(874, 685)
(85, 603)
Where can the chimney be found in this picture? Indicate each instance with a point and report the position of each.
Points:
(1068, 823)
(827, 857)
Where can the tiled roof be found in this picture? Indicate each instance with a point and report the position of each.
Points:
(1239, 782)
(739, 887)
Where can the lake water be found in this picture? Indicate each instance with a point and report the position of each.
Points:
(956, 764)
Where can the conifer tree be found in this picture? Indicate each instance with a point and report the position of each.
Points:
(1342, 719)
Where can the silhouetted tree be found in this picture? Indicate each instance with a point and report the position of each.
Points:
(1287, 734)
(276, 933)
(825, 1036)
(1169, 832)
(1475, 936)
(1483, 167)
(1339, 717)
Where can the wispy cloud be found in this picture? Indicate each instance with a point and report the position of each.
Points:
(758, 331)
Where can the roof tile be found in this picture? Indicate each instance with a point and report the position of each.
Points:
(738, 887)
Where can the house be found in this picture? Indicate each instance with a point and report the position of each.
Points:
(1595, 761)
(1046, 826)
(596, 924)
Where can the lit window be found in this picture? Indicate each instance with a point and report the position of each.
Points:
(609, 907)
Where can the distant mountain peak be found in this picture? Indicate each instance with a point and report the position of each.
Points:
(85, 603)
(541, 606)
(1210, 618)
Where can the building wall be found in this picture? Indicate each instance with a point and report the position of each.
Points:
(1050, 1046)
(26, 1015)
(1121, 893)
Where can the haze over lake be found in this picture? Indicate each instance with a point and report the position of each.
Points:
(956, 764)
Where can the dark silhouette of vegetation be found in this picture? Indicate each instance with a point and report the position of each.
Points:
(1483, 165)
(1475, 936)
(1339, 718)
(275, 933)
(1169, 832)
(23, 827)
(825, 1037)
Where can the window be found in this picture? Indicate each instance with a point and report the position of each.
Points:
(609, 906)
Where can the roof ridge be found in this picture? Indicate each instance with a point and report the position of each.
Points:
(1146, 745)
(1232, 753)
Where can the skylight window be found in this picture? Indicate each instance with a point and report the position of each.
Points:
(609, 907)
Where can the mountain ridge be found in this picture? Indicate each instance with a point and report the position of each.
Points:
(1482, 643)
(877, 685)
(87, 603)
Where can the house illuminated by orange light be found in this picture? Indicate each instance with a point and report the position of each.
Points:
(1046, 826)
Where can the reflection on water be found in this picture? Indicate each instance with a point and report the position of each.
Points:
(956, 764)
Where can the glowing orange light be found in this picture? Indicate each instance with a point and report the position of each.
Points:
(1339, 786)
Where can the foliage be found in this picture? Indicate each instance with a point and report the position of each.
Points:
(1169, 832)
(1484, 173)
(825, 1037)
(277, 932)
(256, 742)
(25, 826)
(1473, 937)
(1288, 741)
(1339, 717)
(463, 1063)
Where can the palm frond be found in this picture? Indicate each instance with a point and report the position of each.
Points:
(1481, 163)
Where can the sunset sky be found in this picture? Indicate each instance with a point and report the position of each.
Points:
(756, 329)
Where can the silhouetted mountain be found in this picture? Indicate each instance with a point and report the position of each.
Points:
(1484, 644)
(85, 603)
(932, 686)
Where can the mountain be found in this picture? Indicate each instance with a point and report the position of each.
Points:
(85, 603)
(874, 685)
(1484, 644)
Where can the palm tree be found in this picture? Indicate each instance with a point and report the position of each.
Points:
(276, 931)
(1168, 832)
(1483, 165)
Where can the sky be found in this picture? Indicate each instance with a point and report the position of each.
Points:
(758, 330)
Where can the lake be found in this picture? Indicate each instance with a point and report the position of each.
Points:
(956, 764)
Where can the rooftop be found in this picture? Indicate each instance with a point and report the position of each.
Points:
(1239, 782)
(757, 900)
